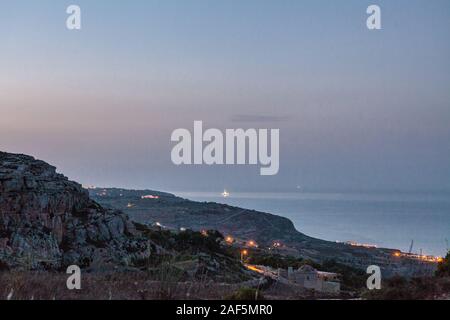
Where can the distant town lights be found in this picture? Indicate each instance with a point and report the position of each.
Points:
(421, 257)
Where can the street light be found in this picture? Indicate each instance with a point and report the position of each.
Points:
(243, 254)
(252, 244)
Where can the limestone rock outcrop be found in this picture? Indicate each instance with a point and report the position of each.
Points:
(48, 222)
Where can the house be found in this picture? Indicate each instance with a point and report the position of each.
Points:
(310, 278)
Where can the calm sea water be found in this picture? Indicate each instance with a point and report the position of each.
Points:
(387, 220)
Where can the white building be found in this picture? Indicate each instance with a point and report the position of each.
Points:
(309, 278)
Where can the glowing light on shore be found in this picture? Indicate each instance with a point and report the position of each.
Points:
(244, 253)
(252, 243)
(421, 257)
(254, 268)
(150, 197)
(363, 245)
(277, 244)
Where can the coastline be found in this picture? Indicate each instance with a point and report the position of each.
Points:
(388, 220)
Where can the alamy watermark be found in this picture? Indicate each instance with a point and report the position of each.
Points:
(235, 146)
(374, 280)
(74, 280)
(374, 20)
(73, 22)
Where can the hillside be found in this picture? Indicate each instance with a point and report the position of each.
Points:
(264, 228)
(48, 223)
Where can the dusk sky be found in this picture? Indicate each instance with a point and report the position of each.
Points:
(357, 109)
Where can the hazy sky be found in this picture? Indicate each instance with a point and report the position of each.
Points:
(356, 109)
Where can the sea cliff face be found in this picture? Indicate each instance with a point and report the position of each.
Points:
(48, 222)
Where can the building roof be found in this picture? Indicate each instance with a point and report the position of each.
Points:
(306, 268)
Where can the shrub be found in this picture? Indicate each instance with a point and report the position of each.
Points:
(443, 269)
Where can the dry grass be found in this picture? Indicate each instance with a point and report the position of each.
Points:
(117, 286)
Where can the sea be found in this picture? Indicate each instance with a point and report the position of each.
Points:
(388, 220)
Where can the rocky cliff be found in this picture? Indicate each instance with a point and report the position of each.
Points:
(49, 222)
